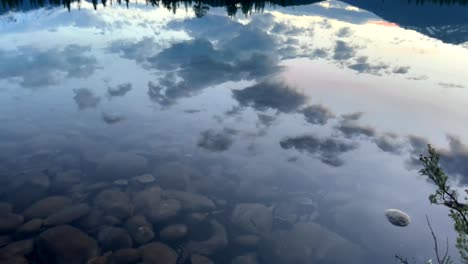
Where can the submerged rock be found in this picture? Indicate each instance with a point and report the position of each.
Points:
(124, 256)
(307, 243)
(68, 215)
(173, 232)
(30, 227)
(4, 240)
(10, 222)
(5, 208)
(114, 238)
(47, 206)
(65, 245)
(91, 222)
(13, 260)
(143, 200)
(140, 229)
(397, 217)
(245, 259)
(248, 241)
(121, 165)
(217, 241)
(145, 178)
(158, 253)
(19, 248)
(191, 201)
(115, 203)
(163, 211)
(253, 218)
(173, 175)
(27, 188)
(121, 182)
(199, 259)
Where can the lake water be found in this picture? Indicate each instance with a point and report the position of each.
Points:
(266, 132)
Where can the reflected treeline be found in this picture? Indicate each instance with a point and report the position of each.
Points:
(200, 7)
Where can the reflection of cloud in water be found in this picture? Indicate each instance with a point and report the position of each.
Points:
(350, 130)
(343, 51)
(319, 53)
(112, 118)
(196, 65)
(327, 150)
(344, 32)
(453, 159)
(266, 120)
(450, 85)
(317, 114)
(85, 98)
(352, 117)
(38, 68)
(119, 90)
(388, 142)
(401, 70)
(265, 95)
(363, 66)
(138, 51)
(216, 141)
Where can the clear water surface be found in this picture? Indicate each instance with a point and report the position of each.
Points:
(300, 122)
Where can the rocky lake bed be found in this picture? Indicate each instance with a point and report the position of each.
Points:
(153, 215)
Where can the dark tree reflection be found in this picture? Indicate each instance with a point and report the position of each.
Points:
(200, 7)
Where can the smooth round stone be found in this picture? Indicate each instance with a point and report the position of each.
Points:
(158, 253)
(145, 199)
(115, 203)
(173, 175)
(199, 259)
(30, 227)
(66, 179)
(65, 245)
(173, 232)
(145, 178)
(245, 259)
(196, 218)
(253, 217)
(21, 248)
(97, 186)
(248, 241)
(163, 211)
(47, 206)
(5, 208)
(10, 222)
(121, 182)
(191, 201)
(125, 256)
(397, 217)
(140, 229)
(4, 240)
(111, 220)
(114, 238)
(91, 222)
(67, 215)
(119, 165)
(13, 260)
(218, 240)
(99, 260)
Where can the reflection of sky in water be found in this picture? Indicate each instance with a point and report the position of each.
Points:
(335, 104)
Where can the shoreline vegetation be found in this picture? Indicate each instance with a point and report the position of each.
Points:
(446, 196)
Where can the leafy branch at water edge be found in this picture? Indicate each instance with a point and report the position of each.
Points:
(448, 197)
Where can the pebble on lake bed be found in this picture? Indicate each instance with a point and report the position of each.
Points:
(397, 217)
